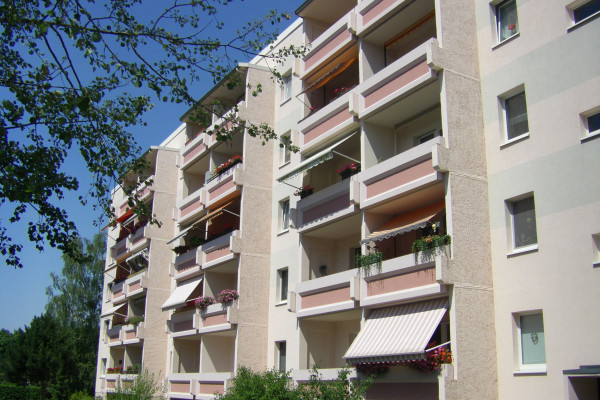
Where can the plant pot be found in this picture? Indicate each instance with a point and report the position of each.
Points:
(306, 194)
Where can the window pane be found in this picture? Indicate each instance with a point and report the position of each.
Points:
(524, 222)
(286, 89)
(508, 23)
(594, 122)
(285, 215)
(533, 345)
(282, 356)
(589, 8)
(284, 285)
(516, 115)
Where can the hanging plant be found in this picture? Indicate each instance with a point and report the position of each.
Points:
(430, 242)
(179, 250)
(368, 261)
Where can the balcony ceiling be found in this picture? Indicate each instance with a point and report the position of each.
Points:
(403, 19)
(322, 11)
(351, 315)
(338, 229)
(422, 99)
(420, 198)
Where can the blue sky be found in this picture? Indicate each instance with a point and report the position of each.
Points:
(22, 291)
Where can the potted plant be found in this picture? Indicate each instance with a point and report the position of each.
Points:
(366, 262)
(196, 241)
(135, 320)
(204, 301)
(348, 170)
(227, 296)
(304, 191)
(227, 164)
(179, 250)
(435, 356)
(114, 370)
(430, 242)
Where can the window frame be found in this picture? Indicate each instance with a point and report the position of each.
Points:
(529, 368)
(285, 154)
(286, 87)
(581, 5)
(281, 345)
(588, 131)
(283, 276)
(510, 204)
(284, 215)
(498, 11)
(506, 99)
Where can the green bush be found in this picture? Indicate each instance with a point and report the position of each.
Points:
(14, 392)
(81, 396)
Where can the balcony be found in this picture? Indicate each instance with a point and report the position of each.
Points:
(404, 173)
(139, 239)
(132, 287)
(192, 321)
(224, 187)
(332, 293)
(200, 385)
(327, 205)
(113, 336)
(327, 124)
(330, 43)
(187, 264)
(184, 323)
(142, 193)
(118, 292)
(120, 248)
(221, 249)
(395, 82)
(191, 206)
(327, 374)
(401, 278)
(193, 150)
(133, 334)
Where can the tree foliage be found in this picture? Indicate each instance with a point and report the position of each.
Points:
(145, 386)
(250, 385)
(76, 75)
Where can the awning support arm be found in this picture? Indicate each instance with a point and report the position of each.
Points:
(343, 155)
(232, 213)
(437, 347)
(285, 183)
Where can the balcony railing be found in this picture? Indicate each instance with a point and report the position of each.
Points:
(113, 336)
(403, 278)
(200, 385)
(218, 317)
(224, 185)
(184, 323)
(118, 292)
(131, 287)
(193, 150)
(328, 123)
(330, 43)
(187, 264)
(326, 374)
(143, 192)
(332, 293)
(221, 249)
(396, 81)
(191, 206)
(327, 205)
(139, 239)
(404, 173)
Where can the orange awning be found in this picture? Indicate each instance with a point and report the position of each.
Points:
(214, 214)
(125, 216)
(335, 71)
(406, 222)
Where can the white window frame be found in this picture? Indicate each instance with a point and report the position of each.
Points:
(286, 87)
(503, 99)
(576, 5)
(284, 215)
(585, 117)
(278, 345)
(520, 367)
(285, 154)
(514, 249)
(283, 272)
(498, 8)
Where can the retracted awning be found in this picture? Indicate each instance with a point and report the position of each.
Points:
(207, 217)
(118, 310)
(125, 216)
(319, 158)
(332, 73)
(397, 333)
(182, 294)
(406, 222)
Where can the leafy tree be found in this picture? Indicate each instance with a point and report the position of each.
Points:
(13, 357)
(145, 386)
(250, 385)
(76, 75)
(75, 299)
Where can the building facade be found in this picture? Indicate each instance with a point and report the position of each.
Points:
(451, 127)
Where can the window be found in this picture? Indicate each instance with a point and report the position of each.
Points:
(284, 149)
(531, 342)
(523, 222)
(596, 249)
(586, 10)
(507, 20)
(283, 285)
(593, 124)
(515, 110)
(281, 349)
(284, 215)
(428, 136)
(286, 87)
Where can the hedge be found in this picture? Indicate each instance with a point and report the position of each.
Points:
(13, 392)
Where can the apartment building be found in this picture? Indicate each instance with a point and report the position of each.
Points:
(416, 121)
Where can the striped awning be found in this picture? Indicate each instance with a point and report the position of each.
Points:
(313, 161)
(406, 222)
(182, 294)
(118, 310)
(397, 333)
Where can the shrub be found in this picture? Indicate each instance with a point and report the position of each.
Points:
(9, 391)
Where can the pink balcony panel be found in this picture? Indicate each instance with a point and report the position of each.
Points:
(110, 384)
(185, 266)
(118, 293)
(397, 83)
(400, 178)
(214, 320)
(123, 208)
(324, 209)
(324, 298)
(199, 148)
(217, 253)
(180, 387)
(211, 387)
(183, 325)
(189, 208)
(327, 125)
(335, 42)
(135, 286)
(131, 335)
(113, 338)
(401, 282)
(377, 10)
(216, 192)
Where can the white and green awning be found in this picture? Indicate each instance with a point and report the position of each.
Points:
(313, 161)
